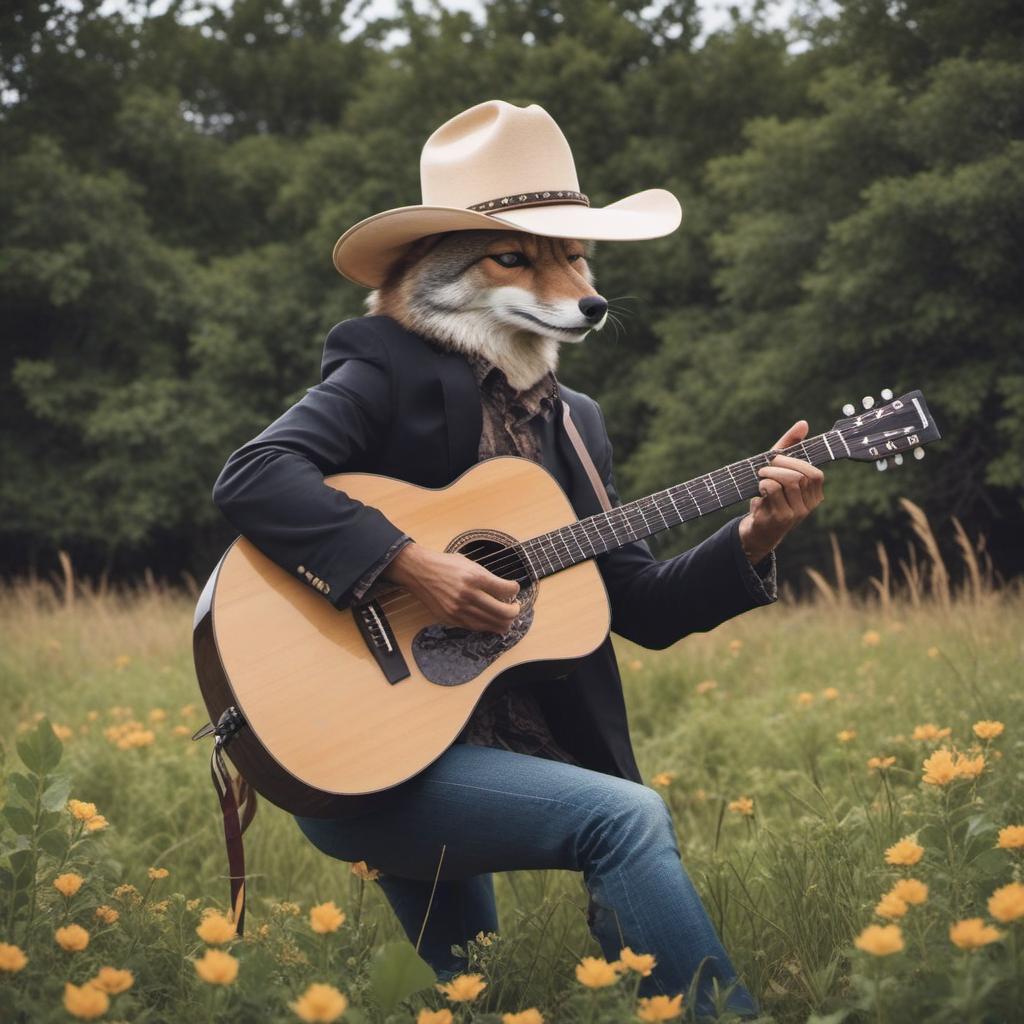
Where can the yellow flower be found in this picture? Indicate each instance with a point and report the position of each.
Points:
(95, 823)
(157, 715)
(805, 699)
(320, 1003)
(881, 763)
(910, 890)
(663, 779)
(12, 958)
(1011, 837)
(969, 767)
(973, 933)
(217, 967)
(930, 732)
(735, 646)
(596, 972)
(940, 769)
(986, 730)
(485, 939)
(181, 730)
(68, 884)
(463, 988)
(112, 981)
(286, 907)
(161, 907)
(81, 810)
(426, 1016)
(880, 939)
(63, 732)
(904, 853)
(530, 1016)
(846, 735)
(92, 715)
(326, 917)
(830, 693)
(933, 652)
(636, 664)
(744, 805)
(158, 873)
(108, 915)
(136, 738)
(72, 937)
(127, 891)
(215, 928)
(87, 1002)
(1006, 904)
(871, 638)
(660, 1008)
(642, 963)
(891, 906)
(706, 686)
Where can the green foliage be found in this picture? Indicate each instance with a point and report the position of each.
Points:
(174, 184)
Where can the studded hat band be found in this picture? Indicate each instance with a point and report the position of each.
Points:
(556, 197)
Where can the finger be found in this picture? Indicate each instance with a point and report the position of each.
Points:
(797, 432)
(502, 612)
(799, 465)
(496, 586)
(788, 500)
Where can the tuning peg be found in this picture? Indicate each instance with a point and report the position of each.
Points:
(849, 409)
(881, 464)
(886, 394)
(919, 454)
(898, 459)
(867, 401)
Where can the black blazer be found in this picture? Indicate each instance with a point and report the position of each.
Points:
(389, 402)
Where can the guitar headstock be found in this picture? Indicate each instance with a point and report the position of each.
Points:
(887, 430)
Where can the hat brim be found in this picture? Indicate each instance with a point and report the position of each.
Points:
(365, 252)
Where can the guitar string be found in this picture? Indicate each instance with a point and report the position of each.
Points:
(629, 517)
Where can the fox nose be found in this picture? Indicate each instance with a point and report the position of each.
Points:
(593, 307)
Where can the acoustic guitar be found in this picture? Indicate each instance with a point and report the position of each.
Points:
(317, 706)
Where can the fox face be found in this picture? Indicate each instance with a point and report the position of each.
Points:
(506, 295)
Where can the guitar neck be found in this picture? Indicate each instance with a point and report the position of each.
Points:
(586, 538)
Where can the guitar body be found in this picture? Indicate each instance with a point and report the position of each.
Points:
(323, 724)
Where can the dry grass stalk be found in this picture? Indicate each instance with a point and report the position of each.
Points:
(840, 570)
(823, 587)
(938, 573)
(912, 576)
(883, 586)
(69, 578)
(974, 587)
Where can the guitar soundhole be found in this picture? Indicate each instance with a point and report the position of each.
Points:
(451, 656)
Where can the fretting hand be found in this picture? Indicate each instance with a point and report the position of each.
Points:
(790, 490)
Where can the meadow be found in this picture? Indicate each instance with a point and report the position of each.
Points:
(845, 775)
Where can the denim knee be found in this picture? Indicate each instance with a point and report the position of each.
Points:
(629, 819)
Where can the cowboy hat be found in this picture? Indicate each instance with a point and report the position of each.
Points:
(497, 165)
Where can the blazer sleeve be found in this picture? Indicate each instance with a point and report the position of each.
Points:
(655, 603)
(272, 489)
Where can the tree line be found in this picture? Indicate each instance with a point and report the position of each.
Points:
(172, 186)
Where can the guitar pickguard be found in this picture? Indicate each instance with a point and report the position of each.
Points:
(449, 656)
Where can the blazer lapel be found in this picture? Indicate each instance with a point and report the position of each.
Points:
(463, 414)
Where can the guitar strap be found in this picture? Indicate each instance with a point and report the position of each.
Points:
(584, 456)
(238, 807)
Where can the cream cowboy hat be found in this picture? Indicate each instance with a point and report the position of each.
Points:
(499, 166)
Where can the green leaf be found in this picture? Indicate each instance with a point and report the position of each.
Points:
(21, 819)
(397, 971)
(55, 798)
(40, 749)
(20, 843)
(54, 842)
(23, 866)
(24, 786)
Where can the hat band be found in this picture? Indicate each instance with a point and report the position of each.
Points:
(555, 197)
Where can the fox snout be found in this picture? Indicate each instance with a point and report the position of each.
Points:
(593, 307)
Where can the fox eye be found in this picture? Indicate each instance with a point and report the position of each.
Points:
(510, 259)
(574, 256)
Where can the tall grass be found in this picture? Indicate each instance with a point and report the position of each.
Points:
(754, 709)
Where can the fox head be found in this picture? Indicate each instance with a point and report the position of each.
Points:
(510, 297)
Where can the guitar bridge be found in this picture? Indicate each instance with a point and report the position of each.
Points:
(380, 639)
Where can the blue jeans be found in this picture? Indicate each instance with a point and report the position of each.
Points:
(495, 810)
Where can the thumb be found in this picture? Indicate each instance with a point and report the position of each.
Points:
(797, 432)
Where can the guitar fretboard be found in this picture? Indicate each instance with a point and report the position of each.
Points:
(586, 538)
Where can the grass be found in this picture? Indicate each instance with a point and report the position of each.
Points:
(753, 710)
